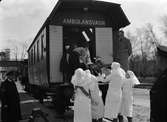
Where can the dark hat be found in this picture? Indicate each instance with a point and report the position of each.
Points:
(10, 73)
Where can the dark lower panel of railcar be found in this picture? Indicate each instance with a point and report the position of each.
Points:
(60, 94)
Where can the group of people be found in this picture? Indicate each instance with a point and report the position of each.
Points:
(88, 103)
(74, 56)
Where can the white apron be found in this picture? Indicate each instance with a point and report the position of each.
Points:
(97, 103)
(82, 107)
(114, 95)
(82, 101)
(127, 97)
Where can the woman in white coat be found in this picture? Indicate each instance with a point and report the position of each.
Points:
(82, 101)
(97, 105)
(127, 96)
(114, 93)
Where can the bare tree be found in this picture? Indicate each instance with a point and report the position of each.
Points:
(18, 49)
(24, 50)
(144, 42)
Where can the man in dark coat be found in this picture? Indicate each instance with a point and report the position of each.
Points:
(10, 110)
(158, 96)
(124, 50)
(64, 63)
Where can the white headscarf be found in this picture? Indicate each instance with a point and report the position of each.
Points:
(116, 67)
(133, 77)
(78, 77)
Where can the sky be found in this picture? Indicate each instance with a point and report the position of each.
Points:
(20, 20)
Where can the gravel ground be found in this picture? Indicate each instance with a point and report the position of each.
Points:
(141, 110)
(141, 106)
(141, 114)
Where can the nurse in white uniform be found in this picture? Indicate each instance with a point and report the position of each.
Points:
(97, 105)
(114, 93)
(127, 95)
(82, 101)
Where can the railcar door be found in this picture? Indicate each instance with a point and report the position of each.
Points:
(55, 52)
(104, 44)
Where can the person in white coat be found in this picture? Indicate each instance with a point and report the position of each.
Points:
(127, 96)
(114, 93)
(82, 100)
(97, 105)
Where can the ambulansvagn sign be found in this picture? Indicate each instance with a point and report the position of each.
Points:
(83, 22)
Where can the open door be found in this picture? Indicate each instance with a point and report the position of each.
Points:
(104, 44)
(56, 51)
(79, 35)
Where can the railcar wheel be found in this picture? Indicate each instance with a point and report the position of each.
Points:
(59, 101)
(62, 99)
(38, 116)
(59, 104)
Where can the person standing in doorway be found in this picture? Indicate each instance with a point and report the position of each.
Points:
(64, 63)
(10, 110)
(86, 48)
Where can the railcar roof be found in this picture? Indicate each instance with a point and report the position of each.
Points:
(112, 10)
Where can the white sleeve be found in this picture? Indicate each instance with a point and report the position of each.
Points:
(92, 86)
(73, 81)
(100, 78)
(108, 78)
(135, 80)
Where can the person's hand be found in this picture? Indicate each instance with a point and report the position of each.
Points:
(101, 77)
(67, 47)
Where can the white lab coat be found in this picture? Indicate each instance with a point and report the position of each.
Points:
(114, 93)
(82, 103)
(97, 103)
(82, 107)
(127, 96)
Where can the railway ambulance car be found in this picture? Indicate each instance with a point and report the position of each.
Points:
(71, 21)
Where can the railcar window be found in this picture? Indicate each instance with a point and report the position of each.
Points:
(42, 47)
(37, 50)
(34, 53)
(29, 58)
(32, 57)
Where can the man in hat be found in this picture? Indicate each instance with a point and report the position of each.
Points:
(125, 50)
(64, 63)
(10, 110)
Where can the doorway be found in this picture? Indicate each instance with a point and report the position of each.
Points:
(76, 35)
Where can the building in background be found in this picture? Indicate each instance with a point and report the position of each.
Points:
(5, 55)
(6, 64)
